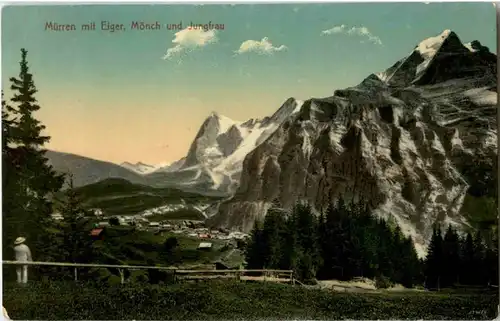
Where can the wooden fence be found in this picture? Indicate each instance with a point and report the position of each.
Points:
(278, 276)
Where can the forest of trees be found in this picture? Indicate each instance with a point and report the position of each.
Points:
(349, 241)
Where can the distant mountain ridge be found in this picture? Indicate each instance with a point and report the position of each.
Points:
(86, 170)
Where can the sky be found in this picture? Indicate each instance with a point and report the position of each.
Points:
(141, 95)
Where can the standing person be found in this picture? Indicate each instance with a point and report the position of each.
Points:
(23, 254)
(5, 314)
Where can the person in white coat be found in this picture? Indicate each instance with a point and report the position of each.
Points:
(23, 254)
(5, 314)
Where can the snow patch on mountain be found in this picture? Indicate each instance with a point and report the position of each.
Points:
(139, 167)
(428, 49)
(482, 96)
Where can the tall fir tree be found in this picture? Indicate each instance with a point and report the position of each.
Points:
(272, 234)
(468, 257)
(434, 259)
(255, 248)
(479, 276)
(31, 182)
(451, 257)
(69, 240)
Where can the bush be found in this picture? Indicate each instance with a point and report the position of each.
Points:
(114, 221)
(382, 282)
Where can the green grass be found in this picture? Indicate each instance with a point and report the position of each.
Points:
(232, 300)
(124, 245)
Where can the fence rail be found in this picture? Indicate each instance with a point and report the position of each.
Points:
(267, 275)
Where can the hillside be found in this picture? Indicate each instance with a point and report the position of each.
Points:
(117, 196)
(87, 170)
(126, 245)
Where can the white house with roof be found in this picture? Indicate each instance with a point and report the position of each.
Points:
(57, 216)
(204, 246)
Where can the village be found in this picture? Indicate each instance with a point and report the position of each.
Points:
(190, 228)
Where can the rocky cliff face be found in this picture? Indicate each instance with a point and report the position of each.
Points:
(404, 139)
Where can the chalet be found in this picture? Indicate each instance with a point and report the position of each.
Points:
(97, 233)
(205, 246)
(204, 236)
(57, 216)
(97, 211)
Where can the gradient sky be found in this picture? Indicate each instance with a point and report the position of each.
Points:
(112, 96)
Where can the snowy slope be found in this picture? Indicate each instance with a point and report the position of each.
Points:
(417, 67)
(139, 167)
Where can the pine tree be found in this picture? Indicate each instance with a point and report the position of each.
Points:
(69, 240)
(322, 246)
(274, 225)
(31, 182)
(385, 251)
(307, 239)
(76, 227)
(255, 248)
(411, 264)
(12, 198)
(434, 259)
(491, 262)
(451, 257)
(291, 250)
(468, 259)
(479, 275)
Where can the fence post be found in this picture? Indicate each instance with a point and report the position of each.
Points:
(122, 277)
(75, 271)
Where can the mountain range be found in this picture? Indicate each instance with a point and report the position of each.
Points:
(413, 140)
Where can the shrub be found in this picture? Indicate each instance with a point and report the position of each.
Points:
(382, 282)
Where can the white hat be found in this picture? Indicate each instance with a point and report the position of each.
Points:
(19, 240)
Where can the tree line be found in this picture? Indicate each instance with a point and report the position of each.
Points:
(348, 241)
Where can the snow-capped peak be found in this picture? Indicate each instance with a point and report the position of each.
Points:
(139, 167)
(469, 46)
(413, 67)
(429, 47)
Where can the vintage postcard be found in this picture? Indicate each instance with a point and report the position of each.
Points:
(250, 161)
